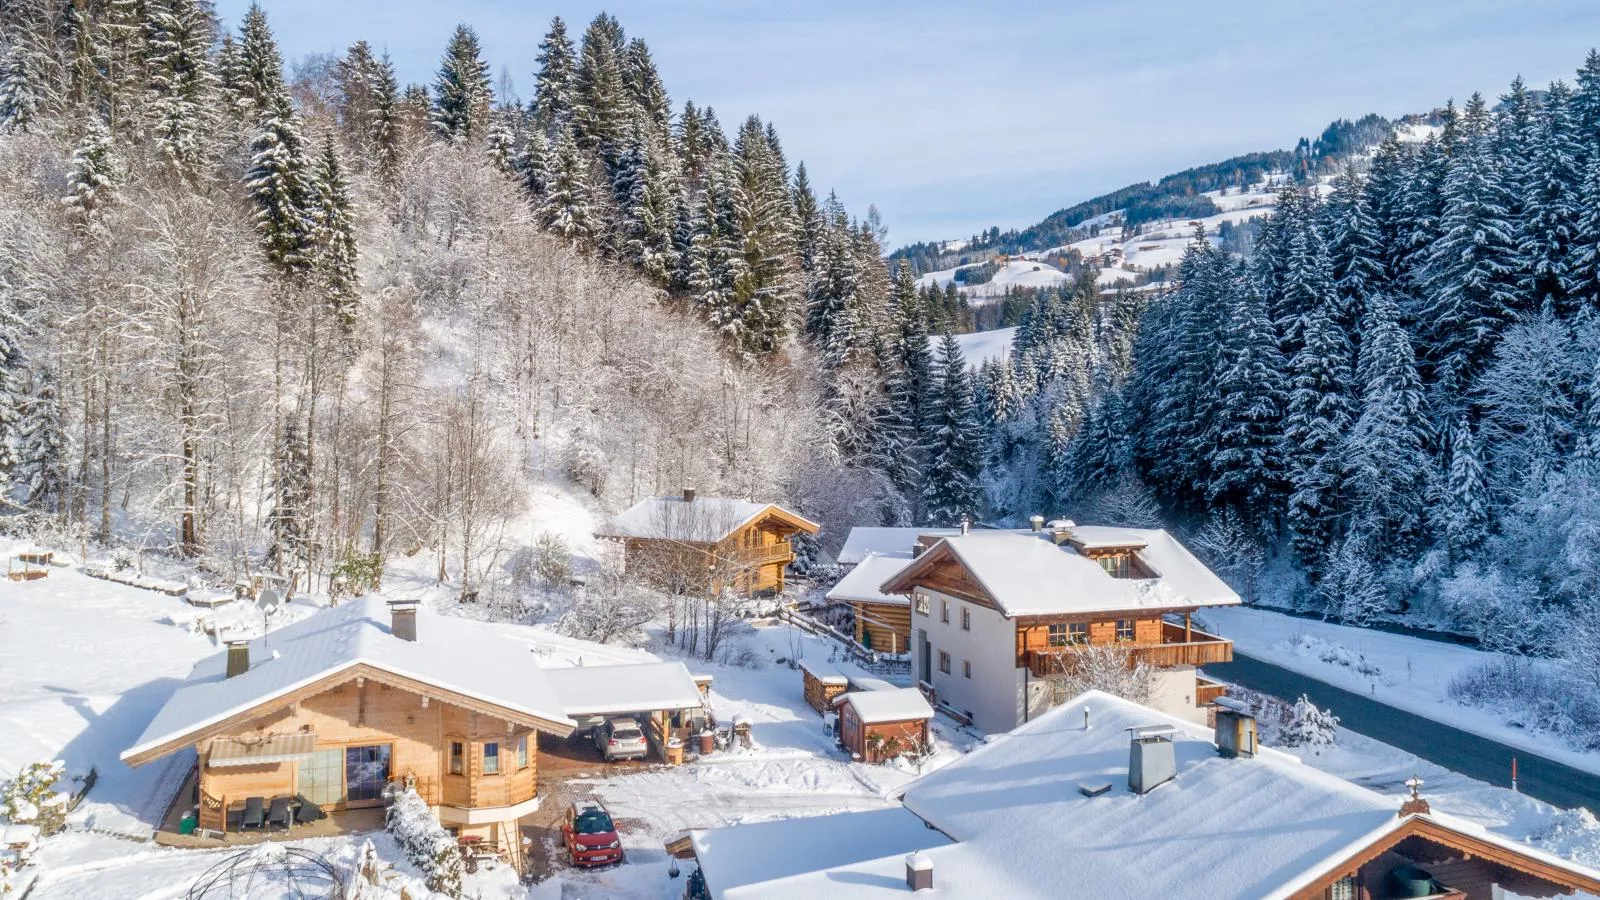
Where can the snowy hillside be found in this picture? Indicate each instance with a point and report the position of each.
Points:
(981, 346)
(1015, 273)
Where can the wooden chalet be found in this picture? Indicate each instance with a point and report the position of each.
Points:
(335, 708)
(998, 614)
(690, 543)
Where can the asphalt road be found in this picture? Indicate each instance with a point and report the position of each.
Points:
(1454, 749)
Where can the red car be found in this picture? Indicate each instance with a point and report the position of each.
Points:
(590, 835)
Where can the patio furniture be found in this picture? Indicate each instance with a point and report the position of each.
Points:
(307, 812)
(255, 813)
(278, 814)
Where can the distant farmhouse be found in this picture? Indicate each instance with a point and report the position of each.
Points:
(686, 542)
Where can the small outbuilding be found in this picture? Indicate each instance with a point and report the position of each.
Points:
(876, 726)
(822, 684)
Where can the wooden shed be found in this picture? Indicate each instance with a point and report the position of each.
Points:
(876, 726)
(822, 684)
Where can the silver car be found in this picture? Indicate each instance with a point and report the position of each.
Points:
(621, 738)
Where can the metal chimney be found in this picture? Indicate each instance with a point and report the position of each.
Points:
(403, 619)
(1236, 729)
(919, 872)
(238, 656)
(1152, 761)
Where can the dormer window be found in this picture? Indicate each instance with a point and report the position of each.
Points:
(1118, 565)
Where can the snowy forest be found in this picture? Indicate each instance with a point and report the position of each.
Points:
(304, 317)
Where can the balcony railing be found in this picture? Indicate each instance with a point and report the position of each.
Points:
(1179, 647)
(1207, 691)
(764, 554)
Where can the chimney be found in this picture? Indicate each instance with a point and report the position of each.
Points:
(1036, 523)
(966, 525)
(238, 656)
(919, 872)
(1236, 729)
(403, 619)
(1061, 530)
(1151, 760)
(688, 495)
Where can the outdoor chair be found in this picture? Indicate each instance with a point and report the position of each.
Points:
(278, 815)
(306, 811)
(255, 813)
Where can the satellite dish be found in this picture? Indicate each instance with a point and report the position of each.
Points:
(269, 598)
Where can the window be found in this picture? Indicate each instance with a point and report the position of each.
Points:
(491, 759)
(1124, 629)
(522, 752)
(966, 619)
(1118, 566)
(1056, 635)
(322, 776)
(966, 668)
(457, 758)
(1343, 889)
(944, 610)
(944, 662)
(366, 772)
(922, 602)
(1077, 632)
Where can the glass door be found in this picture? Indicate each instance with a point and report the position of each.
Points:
(366, 772)
(321, 777)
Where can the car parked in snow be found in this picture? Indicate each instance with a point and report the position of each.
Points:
(590, 835)
(621, 738)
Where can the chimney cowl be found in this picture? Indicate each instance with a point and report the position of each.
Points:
(1036, 523)
(1152, 759)
(919, 871)
(403, 619)
(238, 656)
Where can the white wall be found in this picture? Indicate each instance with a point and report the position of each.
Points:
(993, 695)
(1172, 692)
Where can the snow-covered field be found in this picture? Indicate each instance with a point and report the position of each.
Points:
(981, 346)
(1015, 273)
(1405, 672)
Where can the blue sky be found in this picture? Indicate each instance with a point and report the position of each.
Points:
(952, 117)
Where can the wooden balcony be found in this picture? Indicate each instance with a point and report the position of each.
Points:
(781, 553)
(1207, 691)
(1179, 647)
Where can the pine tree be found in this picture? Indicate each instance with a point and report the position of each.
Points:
(553, 91)
(1354, 254)
(907, 391)
(289, 521)
(278, 186)
(41, 452)
(568, 207)
(1317, 419)
(530, 163)
(13, 393)
(763, 219)
(502, 140)
(20, 92)
(1385, 454)
(952, 489)
(808, 221)
(713, 262)
(649, 207)
(461, 93)
(1466, 511)
(386, 122)
(833, 314)
(1550, 218)
(1586, 107)
(334, 238)
(1246, 466)
(601, 106)
(260, 78)
(92, 181)
(643, 83)
(1584, 266)
(182, 85)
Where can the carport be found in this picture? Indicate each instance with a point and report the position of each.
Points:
(664, 696)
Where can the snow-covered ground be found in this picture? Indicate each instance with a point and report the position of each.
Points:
(981, 346)
(1409, 673)
(1015, 273)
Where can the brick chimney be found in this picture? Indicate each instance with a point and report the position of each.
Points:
(919, 872)
(403, 619)
(238, 656)
(688, 495)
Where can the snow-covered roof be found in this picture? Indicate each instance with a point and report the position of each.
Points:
(864, 539)
(894, 705)
(703, 520)
(1028, 574)
(1103, 537)
(1224, 828)
(824, 672)
(861, 584)
(628, 688)
(740, 855)
(451, 653)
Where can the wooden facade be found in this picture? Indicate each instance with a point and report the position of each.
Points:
(1156, 642)
(474, 766)
(883, 627)
(750, 559)
(876, 742)
(822, 687)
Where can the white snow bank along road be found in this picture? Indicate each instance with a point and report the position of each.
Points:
(1407, 673)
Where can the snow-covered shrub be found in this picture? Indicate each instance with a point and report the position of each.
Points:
(1573, 833)
(552, 560)
(123, 560)
(1353, 588)
(429, 847)
(1102, 668)
(1309, 726)
(356, 575)
(1490, 605)
(1530, 696)
(31, 797)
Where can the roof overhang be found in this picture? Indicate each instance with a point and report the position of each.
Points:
(266, 750)
(154, 749)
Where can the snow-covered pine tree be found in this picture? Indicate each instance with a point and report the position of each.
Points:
(568, 207)
(1469, 292)
(952, 487)
(713, 262)
(553, 90)
(13, 392)
(1318, 416)
(461, 92)
(907, 388)
(20, 98)
(182, 85)
(92, 181)
(834, 321)
(289, 520)
(645, 88)
(808, 221)
(601, 107)
(1246, 465)
(260, 79)
(41, 451)
(1354, 253)
(386, 123)
(1549, 220)
(334, 238)
(277, 182)
(649, 208)
(1466, 500)
(1385, 464)
(501, 144)
(765, 292)
(1586, 107)
(530, 163)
